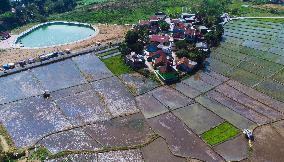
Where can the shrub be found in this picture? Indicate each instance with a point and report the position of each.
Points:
(123, 48)
(197, 56)
(182, 53)
(164, 25)
(181, 44)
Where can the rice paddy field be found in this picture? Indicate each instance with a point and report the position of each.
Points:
(253, 54)
(100, 110)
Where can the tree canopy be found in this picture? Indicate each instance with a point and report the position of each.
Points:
(26, 11)
(5, 5)
(213, 7)
(164, 25)
(211, 10)
(135, 41)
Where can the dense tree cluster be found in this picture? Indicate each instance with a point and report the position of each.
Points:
(20, 12)
(214, 37)
(209, 11)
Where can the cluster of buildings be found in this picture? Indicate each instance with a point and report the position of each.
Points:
(160, 53)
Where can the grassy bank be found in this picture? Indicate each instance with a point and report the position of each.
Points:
(116, 65)
(122, 12)
(21, 29)
(125, 12)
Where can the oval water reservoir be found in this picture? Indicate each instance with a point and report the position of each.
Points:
(54, 34)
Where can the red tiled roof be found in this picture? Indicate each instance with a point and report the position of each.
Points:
(178, 35)
(190, 31)
(185, 61)
(180, 25)
(182, 60)
(161, 60)
(163, 69)
(144, 22)
(198, 33)
(159, 52)
(159, 38)
(154, 18)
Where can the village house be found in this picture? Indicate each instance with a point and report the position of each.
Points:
(192, 35)
(178, 30)
(202, 46)
(159, 58)
(145, 23)
(160, 39)
(188, 18)
(135, 61)
(154, 25)
(185, 65)
(161, 15)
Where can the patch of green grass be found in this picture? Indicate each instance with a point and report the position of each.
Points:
(21, 29)
(237, 9)
(122, 12)
(40, 154)
(259, 66)
(152, 76)
(220, 133)
(116, 65)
